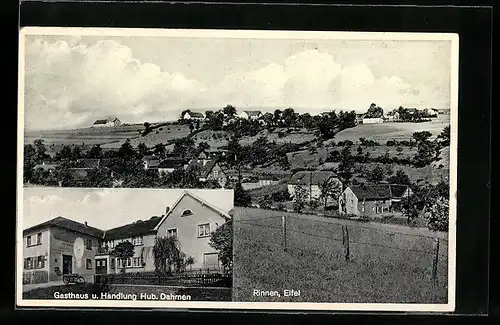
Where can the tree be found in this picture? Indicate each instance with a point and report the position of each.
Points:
(374, 111)
(300, 198)
(229, 111)
(426, 150)
(288, 117)
(439, 215)
(76, 153)
(222, 241)
(377, 174)
(126, 151)
(183, 146)
(345, 169)
(40, 151)
(189, 262)
(168, 256)
(400, 178)
(142, 149)
(277, 117)
(241, 197)
(64, 154)
(95, 152)
(123, 251)
(147, 128)
(191, 127)
(98, 177)
(159, 151)
(444, 137)
(29, 162)
(330, 189)
(202, 146)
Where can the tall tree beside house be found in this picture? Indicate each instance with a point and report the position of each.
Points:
(300, 198)
(222, 241)
(29, 162)
(377, 174)
(168, 257)
(95, 152)
(123, 251)
(241, 197)
(329, 189)
(346, 165)
(439, 215)
(229, 111)
(142, 149)
(159, 151)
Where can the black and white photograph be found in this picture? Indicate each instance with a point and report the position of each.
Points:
(338, 148)
(81, 244)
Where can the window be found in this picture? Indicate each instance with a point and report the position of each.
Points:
(112, 263)
(186, 213)
(204, 230)
(88, 244)
(362, 208)
(137, 240)
(89, 264)
(118, 263)
(40, 262)
(172, 232)
(97, 263)
(136, 262)
(129, 262)
(28, 241)
(39, 238)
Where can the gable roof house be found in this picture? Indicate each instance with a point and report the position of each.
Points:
(311, 181)
(63, 246)
(107, 122)
(373, 199)
(168, 165)
(193, 116)
(150, 162)
(209, 170)
(59, 246)
(250, 115)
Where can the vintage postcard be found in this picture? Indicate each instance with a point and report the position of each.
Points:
(338, 149)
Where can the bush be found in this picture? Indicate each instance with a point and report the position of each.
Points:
(281, 196)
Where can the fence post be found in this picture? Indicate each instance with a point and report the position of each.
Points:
(345, 242)
(283, 231)
(435, 261)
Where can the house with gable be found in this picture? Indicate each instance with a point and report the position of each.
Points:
(250, 115)
(209, 169)
(57, 247)
(372, 199)
(107, 122)
(197, 116)
(311, 182)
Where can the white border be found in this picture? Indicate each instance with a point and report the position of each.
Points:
(185, 33)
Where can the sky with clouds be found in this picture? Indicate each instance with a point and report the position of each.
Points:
(108, 208)
(72, 80)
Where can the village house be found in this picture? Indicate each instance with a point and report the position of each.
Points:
(392, 116)
(59, 246)
(108, 122)
(250, 115)
(209, 170)
(46, 167)
(372, 199)
(359, 118)
(311, 182)
(150, 162)
(197, 116)
(168, 165)
(62, 246)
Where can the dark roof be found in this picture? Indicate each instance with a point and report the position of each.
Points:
(253, 113)
(101, 122)
(61, 222)
(137, 228)
(171, 163)
(196, 114)
(311, 177)
(378, 191)
(204, 169)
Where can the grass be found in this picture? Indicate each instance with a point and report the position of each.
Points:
(393, 131)
(197, 294)
(314, 261)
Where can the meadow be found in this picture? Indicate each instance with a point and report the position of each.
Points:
(388, 263)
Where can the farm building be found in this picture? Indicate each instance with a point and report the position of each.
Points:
(369, 200)
(311, 182)
(150, 162)
(250, 115)
(63, 246)
(209, 170)
(197, 116)
(108, 122)
(372, 120)
(392, 116)
(167, 166)
(59, 246)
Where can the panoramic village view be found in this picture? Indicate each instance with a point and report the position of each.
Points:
(331, 204)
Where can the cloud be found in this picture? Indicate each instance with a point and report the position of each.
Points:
(70, 83)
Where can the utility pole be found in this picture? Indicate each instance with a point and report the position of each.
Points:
(310, 187)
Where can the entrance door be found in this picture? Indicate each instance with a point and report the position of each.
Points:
(67, 261)
(101, 266)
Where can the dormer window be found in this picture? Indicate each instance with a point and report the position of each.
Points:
(186, 213)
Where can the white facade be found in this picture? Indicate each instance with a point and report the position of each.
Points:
(373, 120)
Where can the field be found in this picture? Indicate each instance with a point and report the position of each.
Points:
(197, 294)
(388, 263)
(393, 131)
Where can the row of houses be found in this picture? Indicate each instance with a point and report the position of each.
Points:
(363, 199)
(394, 115)
(200, 116)
(62, 246)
